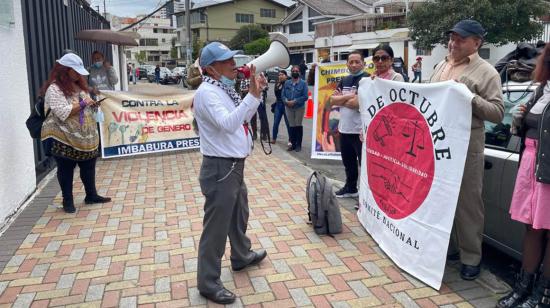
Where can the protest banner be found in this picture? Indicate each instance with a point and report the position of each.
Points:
(140, 123)
(415, 148)
(325, 139)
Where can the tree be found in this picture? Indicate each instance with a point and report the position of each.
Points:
(197, 45)
(247, 34)
(504, 20)
(257, 47)
(141, 57)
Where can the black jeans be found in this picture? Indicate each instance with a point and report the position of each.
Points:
(65, 172)
(350, 149)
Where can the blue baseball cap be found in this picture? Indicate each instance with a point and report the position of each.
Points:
(215, 52)
(467, 28)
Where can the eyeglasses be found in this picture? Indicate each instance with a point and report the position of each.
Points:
(380, 58)
(295, 71)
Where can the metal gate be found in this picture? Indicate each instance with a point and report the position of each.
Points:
(50, 27)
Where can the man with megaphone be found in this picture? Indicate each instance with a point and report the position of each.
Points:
(222, 117)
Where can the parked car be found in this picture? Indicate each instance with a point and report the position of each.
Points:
(272, 74)
(180, 71)
(145, 70)
(166, 76)
(241, 60)
(501, 165)
(142, 73)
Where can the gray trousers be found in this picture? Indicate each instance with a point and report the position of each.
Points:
(295, 116)
(467, 233)
(225, 214)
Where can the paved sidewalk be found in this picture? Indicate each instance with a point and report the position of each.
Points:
(140, 249)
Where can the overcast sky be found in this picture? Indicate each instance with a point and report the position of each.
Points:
(128, 8)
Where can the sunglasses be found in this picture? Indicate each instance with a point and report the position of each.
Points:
(380, 58)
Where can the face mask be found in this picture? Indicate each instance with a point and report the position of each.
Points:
(359, 73)
(295, 75)
(226, 81)
(98, 64)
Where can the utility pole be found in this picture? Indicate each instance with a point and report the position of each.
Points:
(98, 11)
(188, 45)
(104, 10)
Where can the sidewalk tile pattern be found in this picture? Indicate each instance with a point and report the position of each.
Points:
(141, 249)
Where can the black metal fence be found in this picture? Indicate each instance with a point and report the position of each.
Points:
(50, 27)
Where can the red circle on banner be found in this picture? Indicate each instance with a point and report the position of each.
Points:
(400, 159)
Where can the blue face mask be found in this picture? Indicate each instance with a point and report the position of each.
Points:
(228, 82)
(98, 64)
(359, 73)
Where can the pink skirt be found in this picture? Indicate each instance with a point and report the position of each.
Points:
(531, 199)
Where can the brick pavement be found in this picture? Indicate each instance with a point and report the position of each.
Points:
(140, 249)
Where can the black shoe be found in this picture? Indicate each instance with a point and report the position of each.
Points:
(298, 149)
(522, 289)
(222, 296)
(96, 199)
(453, 257)
(68, 206)
(259, 255)
(346, 192)
(469, 272)
(291, 148)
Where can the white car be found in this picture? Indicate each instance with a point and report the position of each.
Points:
(180, 71)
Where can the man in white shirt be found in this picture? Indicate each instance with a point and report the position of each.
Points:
(222, 118)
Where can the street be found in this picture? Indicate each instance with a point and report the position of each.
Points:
(140, 249)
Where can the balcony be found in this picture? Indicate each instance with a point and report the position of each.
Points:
(360, 23)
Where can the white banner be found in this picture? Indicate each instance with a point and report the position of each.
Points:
(416, 140)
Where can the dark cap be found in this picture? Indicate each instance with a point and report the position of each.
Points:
(467, 28)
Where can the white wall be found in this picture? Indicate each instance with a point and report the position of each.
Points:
(17, 175)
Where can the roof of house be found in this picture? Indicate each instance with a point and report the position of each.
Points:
(338, 7)
(208, 3)
(332, 8)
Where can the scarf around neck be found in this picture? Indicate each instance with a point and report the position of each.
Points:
(229, 90)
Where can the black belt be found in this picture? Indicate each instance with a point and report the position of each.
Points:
(233, 159)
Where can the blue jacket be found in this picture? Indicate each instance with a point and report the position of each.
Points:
(297, 92)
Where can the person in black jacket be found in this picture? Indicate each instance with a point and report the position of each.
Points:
(531, 200)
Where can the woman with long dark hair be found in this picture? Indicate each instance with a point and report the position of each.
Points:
(383, 60)
(69, 133)
(531, 200)
(279, 108)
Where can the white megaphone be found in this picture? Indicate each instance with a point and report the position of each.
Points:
(276, 55)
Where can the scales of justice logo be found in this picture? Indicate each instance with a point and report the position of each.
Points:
(400, 159)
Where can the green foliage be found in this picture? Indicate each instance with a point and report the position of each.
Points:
(141, 57)
(247, 34)
(257, 47)
(197, 45)
(504, 20)
(174, 53)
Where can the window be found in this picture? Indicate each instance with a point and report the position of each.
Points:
(423, 52)
(295, 27)
(244, 18)
(155, 30)
(164, 52)
(499, 134)
(313, 13)
(148, 42)
(164, 30)
(267, 13)
(484, 53)
(198, 18)
(163, 40)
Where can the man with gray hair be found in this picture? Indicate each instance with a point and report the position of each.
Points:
(464, 65)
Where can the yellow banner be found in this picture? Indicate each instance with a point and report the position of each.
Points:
(139, 124)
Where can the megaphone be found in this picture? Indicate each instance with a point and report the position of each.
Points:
(276, 55)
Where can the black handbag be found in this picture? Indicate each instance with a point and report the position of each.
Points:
(273, 106)
(37, 118)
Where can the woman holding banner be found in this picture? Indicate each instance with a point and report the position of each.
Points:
(69, 133)
(383, 59)
(531, 200)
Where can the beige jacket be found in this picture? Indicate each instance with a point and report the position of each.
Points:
(487, 105)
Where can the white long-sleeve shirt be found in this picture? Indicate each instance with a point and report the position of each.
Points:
(221, 129)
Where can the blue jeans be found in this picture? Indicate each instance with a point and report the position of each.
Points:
(279, 113)
(157, 78)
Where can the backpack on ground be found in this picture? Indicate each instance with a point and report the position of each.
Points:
(37, 117)
(323, 208)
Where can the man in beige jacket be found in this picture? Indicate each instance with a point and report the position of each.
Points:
(464, 65)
